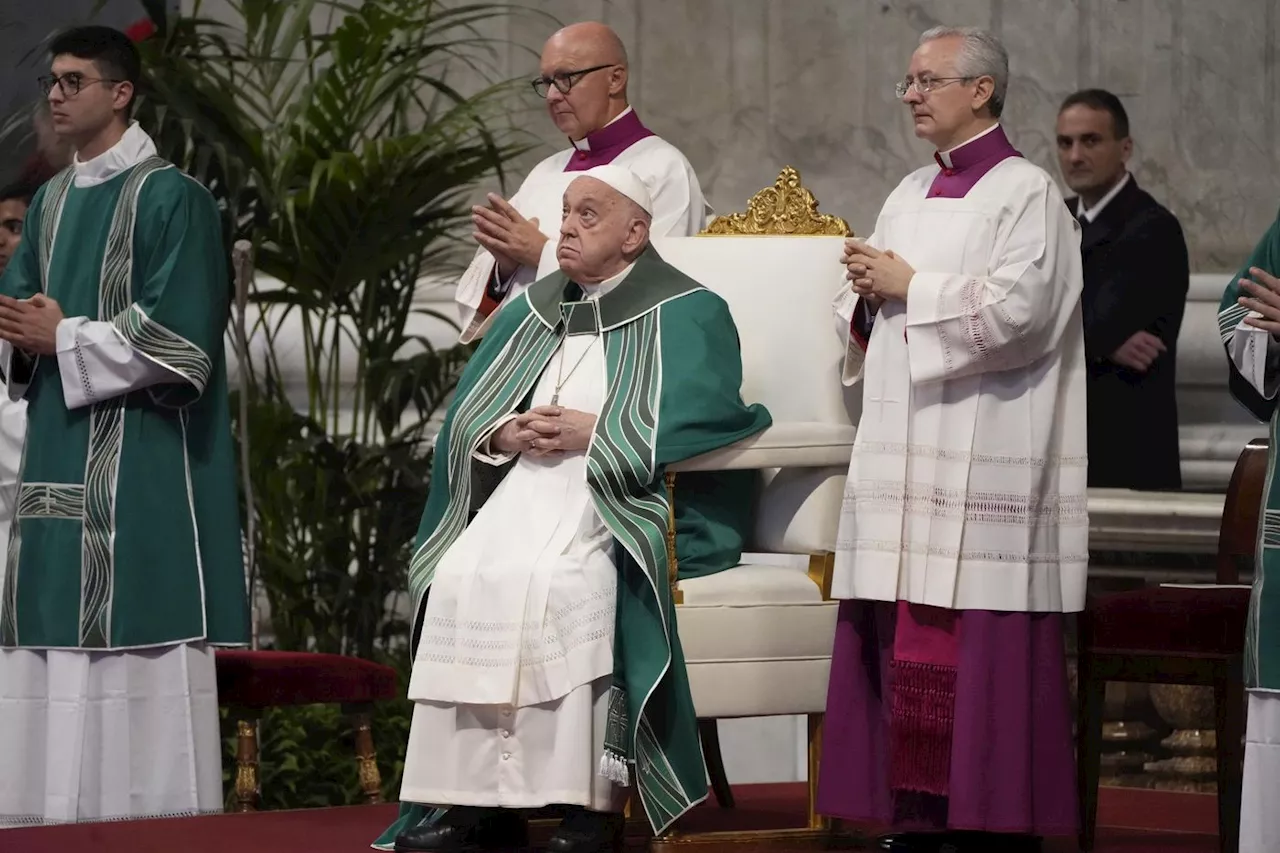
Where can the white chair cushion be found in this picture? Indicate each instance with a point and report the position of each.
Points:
(755, 613)
(759, 688)
(757, 641)
(798, 510)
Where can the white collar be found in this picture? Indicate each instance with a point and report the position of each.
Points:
(1094, 212)
(583, 145)
(945, 156)
(595, 291)
(134, 147)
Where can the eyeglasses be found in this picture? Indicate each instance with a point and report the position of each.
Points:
(564, 81)
(925, 85)
(70, 83)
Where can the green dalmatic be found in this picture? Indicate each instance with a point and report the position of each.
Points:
(1262, 646)
(127, 530)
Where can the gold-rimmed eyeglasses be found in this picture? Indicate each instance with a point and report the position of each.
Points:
(924, 85)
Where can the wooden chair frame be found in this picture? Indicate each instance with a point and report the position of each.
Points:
(1223, 672)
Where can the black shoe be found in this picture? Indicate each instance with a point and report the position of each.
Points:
(465, 828)
(584, 831)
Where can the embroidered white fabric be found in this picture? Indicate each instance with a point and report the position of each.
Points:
(91, 736)
(96, 363)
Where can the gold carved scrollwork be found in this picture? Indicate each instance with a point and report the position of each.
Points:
(370, 777)
(366, 758)
(246, 786)
(784, 209)
(673, 562)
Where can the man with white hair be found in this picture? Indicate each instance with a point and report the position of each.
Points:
(964, 534)
(547, 670)
(584, 76)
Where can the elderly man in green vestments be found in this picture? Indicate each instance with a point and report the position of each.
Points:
(1249, 321)
(547, 669)
(124, 559)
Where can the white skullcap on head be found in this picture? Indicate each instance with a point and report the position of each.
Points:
(624, 181)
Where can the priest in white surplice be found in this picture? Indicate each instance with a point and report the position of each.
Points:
(547, 669)
(963, 539)
(584, 77)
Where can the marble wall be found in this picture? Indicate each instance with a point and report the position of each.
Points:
(744, 87)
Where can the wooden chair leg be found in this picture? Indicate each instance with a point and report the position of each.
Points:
(1091, 693)
(246, 788)
(1229, 699)
(709, 734)
(366, 758)
(816, 821)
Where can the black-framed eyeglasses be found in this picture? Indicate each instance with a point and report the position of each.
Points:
(565, 80)
(71, 83)
(925, 85)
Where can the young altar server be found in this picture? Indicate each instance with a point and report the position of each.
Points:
(963, 539)
(124, 559)
(584, 82)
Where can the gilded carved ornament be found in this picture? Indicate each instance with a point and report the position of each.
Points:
(785, 209)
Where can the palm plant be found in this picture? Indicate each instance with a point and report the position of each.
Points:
(339, 147)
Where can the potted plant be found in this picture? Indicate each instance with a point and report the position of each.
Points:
(339, 147)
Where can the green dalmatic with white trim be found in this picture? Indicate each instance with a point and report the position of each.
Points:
(127, 532)
(1262, 642)
(673, 374)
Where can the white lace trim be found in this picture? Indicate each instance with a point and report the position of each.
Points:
(493, 644)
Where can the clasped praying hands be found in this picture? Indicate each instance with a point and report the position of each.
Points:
(512, 240)
(1264, 300)
(544, 430)
(31, 325)
(876, 275)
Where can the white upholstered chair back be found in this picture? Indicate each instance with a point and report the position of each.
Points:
(779, 289)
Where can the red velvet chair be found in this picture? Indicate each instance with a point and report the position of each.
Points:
(1178, 636)
(249, 682)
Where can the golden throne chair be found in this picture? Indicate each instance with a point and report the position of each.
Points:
(757, 638)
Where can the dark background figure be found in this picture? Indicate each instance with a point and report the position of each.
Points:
(14, 201)
(1136, 277)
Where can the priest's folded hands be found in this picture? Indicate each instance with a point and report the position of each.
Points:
(876, 275)
(1265, 300)
(31, 325)
(546, 430)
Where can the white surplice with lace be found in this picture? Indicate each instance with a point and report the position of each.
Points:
(512, 672)
(89, 735)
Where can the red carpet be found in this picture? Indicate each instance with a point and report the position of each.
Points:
(349, 830)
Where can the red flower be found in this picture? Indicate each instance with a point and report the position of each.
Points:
(140, 30)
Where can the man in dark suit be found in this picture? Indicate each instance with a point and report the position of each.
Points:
(1136, 277)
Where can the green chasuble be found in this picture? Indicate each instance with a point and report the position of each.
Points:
(127, 532)
(674, 374)
(1262, 646)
